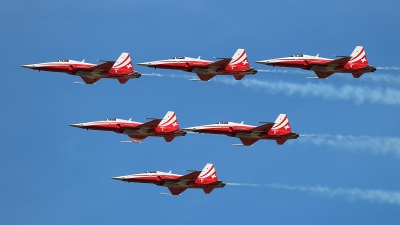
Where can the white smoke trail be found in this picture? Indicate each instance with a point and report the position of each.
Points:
(368, 77)
(381, 196)
(388, 68)
(287, 71)
(359, 94)
(381, 145)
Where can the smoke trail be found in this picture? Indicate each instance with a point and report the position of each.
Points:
(381, 196)
(381, 145)
(359, 94)
(287, 71)
(388, 68)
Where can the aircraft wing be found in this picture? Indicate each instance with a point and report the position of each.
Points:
(248, 141)
(149, 125)
(263, 128)
(221, 63)
(190, 176)
(176, 190)
(104, 66)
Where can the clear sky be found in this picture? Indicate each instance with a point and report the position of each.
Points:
(347, 173)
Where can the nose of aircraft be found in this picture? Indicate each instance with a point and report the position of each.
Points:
(266, 62)
(145, 64)
(118, 178)
(190, 129)
(29, 66)
(78, 125)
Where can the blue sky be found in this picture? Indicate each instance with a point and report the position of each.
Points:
(347, 173)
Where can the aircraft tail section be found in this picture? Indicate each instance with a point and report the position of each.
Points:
(168, 124)
(358, 56)
(239, 60)
(123, 65)
(208, 175)
(282, 126)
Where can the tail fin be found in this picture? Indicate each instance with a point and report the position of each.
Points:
(239, 60)
(208, 175)
(359, 56)
(123, 65)
(169, 123)
(282, 126)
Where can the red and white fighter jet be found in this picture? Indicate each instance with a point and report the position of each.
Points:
(238, 66)
(280, 130)
(122, 69)
(206, 179)
(356, 63)
(167, 127)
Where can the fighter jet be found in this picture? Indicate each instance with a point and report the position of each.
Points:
(206, 179)
(167, 127)
(121, 69)
(238, 66)
(280, 131)
(356, 63)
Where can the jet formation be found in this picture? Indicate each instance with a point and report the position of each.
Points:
(168, 128)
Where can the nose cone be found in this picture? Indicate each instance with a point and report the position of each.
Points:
(78, 125)
(121, 178)
(148, 64)
(29, 66)
(266, 62)
(191, 129)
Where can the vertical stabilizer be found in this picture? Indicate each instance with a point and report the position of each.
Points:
(239, 60)
(169, 123)
(282, 126)
(358, 56)
(207, 175)
(123, 65)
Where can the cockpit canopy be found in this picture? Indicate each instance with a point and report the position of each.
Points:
(114, 119)
(154, 171)
(179, 57)
(223, 122)
(297, 55)
(63, 60)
